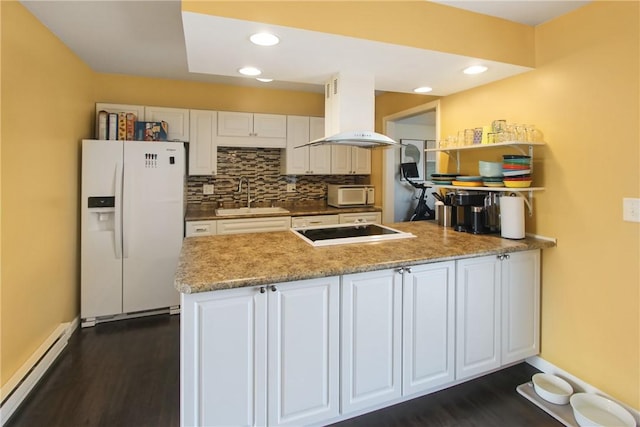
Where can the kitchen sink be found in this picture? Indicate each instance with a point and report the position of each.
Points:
(250, 211)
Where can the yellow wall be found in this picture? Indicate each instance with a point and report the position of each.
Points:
(121, 89)
(46, 110)
(584, 95)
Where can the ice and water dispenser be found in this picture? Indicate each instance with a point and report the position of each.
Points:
(102, 213)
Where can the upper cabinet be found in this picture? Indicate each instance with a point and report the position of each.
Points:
(347, 160)
(176, 118)
(252, 130)
(305, 160)
(203, 148)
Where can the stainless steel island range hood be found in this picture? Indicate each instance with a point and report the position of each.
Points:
(349, 113)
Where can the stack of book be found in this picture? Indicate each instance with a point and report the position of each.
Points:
(124, 126)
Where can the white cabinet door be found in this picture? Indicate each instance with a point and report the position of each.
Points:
(319, 155)
(235, 124)
(200, 228)
(203, 151)
(341, 160)
(371, 217)
(371, 339)
(176, 118)
(520, 306)
(251, 130)
(347, 160)
(270, 125)
(305, 160)
(253, 225)
(224, 357)
(295, 161)
(361, 161)
(304, 338)
(477, 316)
(428, 327)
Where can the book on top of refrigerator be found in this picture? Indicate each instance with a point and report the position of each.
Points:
(152, 131)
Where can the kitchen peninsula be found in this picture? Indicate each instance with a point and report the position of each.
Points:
(276, 331)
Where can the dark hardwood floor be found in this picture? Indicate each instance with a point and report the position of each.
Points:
(126, 373)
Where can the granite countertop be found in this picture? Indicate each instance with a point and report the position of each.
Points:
(210, 263)
(207, 212)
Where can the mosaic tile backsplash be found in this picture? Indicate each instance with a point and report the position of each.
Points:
(261, 166)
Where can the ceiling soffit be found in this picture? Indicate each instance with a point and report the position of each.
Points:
(423, 25)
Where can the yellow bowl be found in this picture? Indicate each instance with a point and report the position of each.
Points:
(517, 184)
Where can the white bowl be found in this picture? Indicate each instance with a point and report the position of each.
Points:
(490, 169)
(552, 389)
(594, 410)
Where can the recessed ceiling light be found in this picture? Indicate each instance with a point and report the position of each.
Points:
(475, 69)
(264, 39)
(263, 80)
(423, 89)
(249, 71)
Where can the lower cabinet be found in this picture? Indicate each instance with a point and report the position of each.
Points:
(223, 364)
(316, 351)
(428, 327)
(520, 306)
(498, 306)
(371, 338)
(303, 352)
(253, 225)
(200, 228)
(262, 355)
(397, 333)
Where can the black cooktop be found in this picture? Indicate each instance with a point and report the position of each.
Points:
(348, 233)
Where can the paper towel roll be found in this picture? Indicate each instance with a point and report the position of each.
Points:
(512, 217)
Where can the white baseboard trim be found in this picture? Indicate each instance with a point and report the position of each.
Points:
(22, 382)
(577, 384)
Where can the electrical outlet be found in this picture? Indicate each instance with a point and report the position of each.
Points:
(207, 189)
(291, 188)
(631, 209)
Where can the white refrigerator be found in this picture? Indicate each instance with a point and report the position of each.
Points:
(132, 213)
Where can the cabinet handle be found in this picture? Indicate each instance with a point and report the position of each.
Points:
(500, 257)
(408, 269)
(273, 289)
(262, 290)
(400, 270)
(199, 229)
(507, 256)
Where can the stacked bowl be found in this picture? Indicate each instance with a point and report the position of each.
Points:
(491, 173)
(516, 170)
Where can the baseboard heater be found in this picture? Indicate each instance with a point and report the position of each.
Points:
(14, 392)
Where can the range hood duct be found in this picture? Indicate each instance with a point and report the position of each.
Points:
(349, 113)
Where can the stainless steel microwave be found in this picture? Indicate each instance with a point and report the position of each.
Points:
(350, 195)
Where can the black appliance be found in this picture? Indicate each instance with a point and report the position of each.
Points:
(469, 213)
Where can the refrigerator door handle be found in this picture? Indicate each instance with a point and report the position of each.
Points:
(126, 211)
(118, 211)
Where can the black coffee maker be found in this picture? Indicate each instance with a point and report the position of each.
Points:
(469, 212)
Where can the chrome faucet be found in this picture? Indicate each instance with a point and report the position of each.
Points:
(246, 180)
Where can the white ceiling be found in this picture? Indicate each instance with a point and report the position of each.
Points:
(155, 39)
